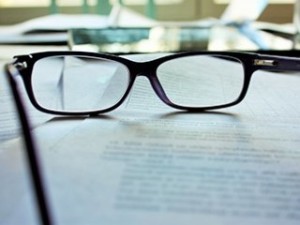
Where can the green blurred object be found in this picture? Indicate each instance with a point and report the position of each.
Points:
(85, 7)
(103, 7)
(123, 40)
(53, 7)
(151, 9)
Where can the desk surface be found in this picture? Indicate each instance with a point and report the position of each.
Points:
(160, 166)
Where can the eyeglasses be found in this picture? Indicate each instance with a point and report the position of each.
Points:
(82, 83)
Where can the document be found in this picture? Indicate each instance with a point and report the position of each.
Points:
(146, 163)
(9, 126)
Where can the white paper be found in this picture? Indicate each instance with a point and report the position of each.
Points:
(146, 163)
(53, 28)
(154, 165)
(9, 126)
(37, 30)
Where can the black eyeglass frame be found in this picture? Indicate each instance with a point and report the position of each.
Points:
(250, 61)
(31, 151)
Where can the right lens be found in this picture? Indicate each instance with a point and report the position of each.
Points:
(78, 83)
(202, 80)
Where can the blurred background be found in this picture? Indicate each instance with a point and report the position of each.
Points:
(15, 11)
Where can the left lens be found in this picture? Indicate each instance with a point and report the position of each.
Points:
(78, 83)
(202, 80)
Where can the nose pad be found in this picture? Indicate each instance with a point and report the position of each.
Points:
(156, 86)
(158, 89)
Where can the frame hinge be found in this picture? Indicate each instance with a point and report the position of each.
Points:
(21, 65)
(264, 62)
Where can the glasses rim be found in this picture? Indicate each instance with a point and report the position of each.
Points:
(250, 61)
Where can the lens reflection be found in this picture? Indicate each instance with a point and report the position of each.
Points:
(78, 83)
(202, 80)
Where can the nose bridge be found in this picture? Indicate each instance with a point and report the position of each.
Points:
(146, 69)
